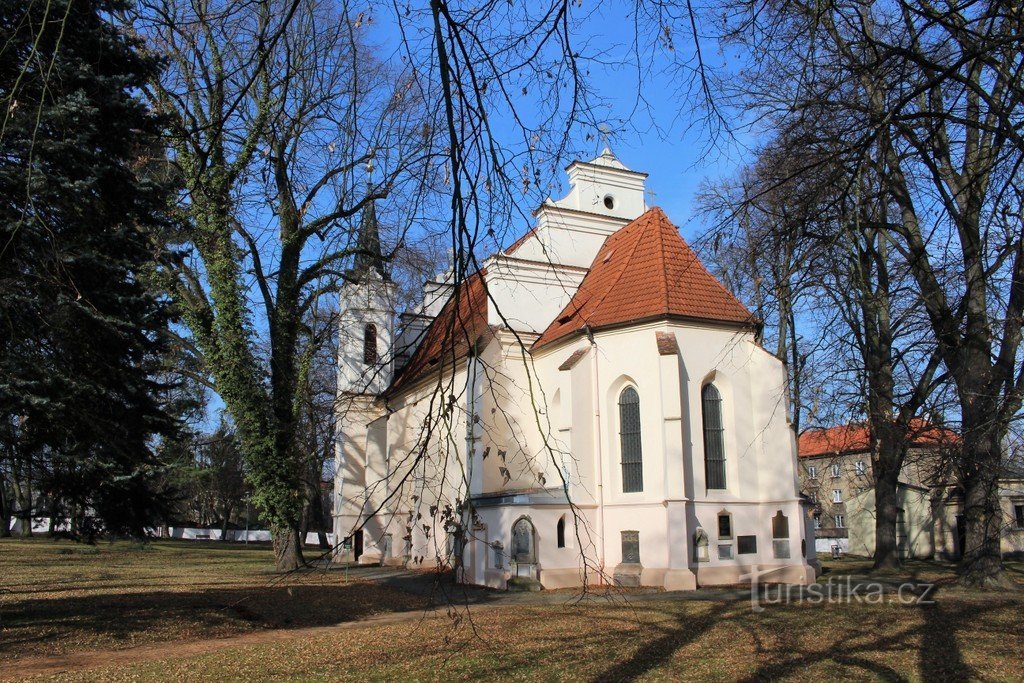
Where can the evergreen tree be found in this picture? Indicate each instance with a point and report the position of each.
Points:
(81, 332)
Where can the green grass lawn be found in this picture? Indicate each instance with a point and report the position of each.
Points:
(64, 599)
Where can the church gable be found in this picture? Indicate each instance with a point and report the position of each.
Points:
(645, 271)
(461, 323)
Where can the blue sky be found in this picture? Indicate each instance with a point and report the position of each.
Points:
(660, 136)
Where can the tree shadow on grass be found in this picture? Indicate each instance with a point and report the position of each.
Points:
(115, 620)
(934, 636)
(686, 629)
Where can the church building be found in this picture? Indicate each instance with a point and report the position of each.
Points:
(590, 405)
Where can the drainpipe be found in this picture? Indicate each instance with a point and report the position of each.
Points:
(596, 386)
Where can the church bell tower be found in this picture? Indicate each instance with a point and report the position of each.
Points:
(366, 324)
(366, 317)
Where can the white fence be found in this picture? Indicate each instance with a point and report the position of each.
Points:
(40, 525)
(236, 535)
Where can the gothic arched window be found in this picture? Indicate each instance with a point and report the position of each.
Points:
(629, 435)
(714, 437)
(560, 531)
(370, 344)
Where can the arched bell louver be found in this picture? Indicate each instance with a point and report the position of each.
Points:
(629, 435)
(370, 344)
(714, 437)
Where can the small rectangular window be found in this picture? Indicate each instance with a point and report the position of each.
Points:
(746, 545)
(860, 467)
(812, 472)
(837, 470)
(725, 526)
(837, 495)
(839, 522)
(817, 521)
(1018, 513)
(725, 551)
(814, 496)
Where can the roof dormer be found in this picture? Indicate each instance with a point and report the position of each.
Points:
(605, 186)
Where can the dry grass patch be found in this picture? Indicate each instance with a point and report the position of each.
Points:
(60, 597)
(694, 640)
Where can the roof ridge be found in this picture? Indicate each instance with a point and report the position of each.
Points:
(700, 264)
(625, 263)
(664, 262)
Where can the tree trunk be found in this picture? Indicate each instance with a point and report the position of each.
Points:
(225, 521)
(981, 563)
(288, 549)
(5, 511)
(886, 510)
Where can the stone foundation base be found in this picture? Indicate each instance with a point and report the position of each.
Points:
(802, 574)
(628, 575)
(680, 580)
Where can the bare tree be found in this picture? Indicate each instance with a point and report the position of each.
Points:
(274, 109)
(928, 98)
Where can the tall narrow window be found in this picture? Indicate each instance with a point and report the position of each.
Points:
(714, 437)
(560, 532)
(629, 434)
(370, 344)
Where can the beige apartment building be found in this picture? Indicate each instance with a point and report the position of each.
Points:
(836, 473)
(836, 476)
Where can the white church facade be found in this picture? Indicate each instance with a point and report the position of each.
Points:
(590, 405)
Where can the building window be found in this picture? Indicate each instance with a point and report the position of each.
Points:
(629, 435)
(837, 495)
(840, 523)
(780, 535)
(860, 467)
(370, 344)
(725, 552)
(746, 545)
(812, 472)
(1018, 515)
(560, 531)
(631, 547)
(724, 525)
(837, 470)
(814, 496)
(714, 437)
(817, 520)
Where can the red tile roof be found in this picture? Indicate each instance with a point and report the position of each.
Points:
(645, 270)
(460, 324)
(856, 438)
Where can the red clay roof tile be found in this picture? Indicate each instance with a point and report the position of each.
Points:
(856, 438)
(460, 324)
(645, 270)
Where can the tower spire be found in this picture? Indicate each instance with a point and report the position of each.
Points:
(368, 254)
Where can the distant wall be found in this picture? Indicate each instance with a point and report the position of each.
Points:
(237, 535)
(41, 525)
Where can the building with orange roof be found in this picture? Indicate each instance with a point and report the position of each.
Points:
(837, 476)
(591, 405)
